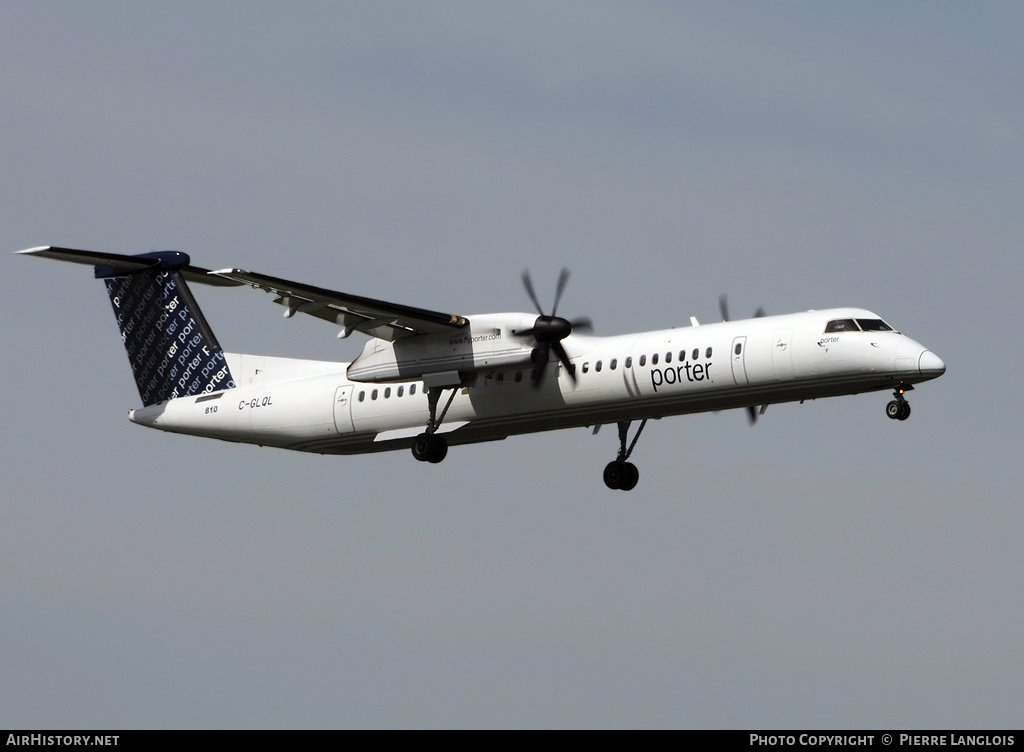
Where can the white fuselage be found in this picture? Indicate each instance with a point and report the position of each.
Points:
(316, 406)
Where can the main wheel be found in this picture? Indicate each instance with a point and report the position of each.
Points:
(621, 476)
(631, 476)
(904, 411)
(438, 449)
(613, 475)
(893, 409)
(421, 447)
(429, 447)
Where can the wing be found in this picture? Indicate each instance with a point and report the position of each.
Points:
(377, 318)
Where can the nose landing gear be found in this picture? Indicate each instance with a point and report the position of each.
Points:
(899, 408)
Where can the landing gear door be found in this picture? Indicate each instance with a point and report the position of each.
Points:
(343, 409)
(739, 370)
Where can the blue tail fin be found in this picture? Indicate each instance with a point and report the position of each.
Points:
(171, 348)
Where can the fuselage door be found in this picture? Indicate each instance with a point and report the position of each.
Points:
(343, 409)
(782, 354)
(739, 371)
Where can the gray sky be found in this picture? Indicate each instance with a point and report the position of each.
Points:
(828, 568)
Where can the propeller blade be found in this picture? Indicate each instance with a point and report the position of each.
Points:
(541, 354)
(583, 324)
(563, 278)
(563, 356)
(752, 412)
(723, 306)
(529, 290)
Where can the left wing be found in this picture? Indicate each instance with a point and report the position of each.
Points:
(377, 318)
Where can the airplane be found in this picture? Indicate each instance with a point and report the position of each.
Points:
(427, 380)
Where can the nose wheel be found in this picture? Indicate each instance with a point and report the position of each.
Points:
(899, 408)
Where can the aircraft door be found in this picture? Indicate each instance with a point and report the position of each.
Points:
(782, 354)
(739, 370)
(343, 409)
(629, 372)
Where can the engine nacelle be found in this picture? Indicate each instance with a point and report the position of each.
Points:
(488, 345)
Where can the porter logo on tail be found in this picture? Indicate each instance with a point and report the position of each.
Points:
(172, 350)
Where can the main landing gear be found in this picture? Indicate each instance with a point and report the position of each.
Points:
(899, 408)
(621, 475)
(430, 446)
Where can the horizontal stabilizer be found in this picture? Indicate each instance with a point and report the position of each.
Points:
(116, 264)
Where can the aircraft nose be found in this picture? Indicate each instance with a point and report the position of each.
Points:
(931, 363)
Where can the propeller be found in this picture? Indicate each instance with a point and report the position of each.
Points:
(723, 305)
(549, 330)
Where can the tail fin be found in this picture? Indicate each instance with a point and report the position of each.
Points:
(171, 348)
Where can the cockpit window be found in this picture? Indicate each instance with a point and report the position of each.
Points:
(874, 325)
(841, 325)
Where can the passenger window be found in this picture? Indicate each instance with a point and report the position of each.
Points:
(643, 360)
(597, 366)
(362, 396)
(613, 364)
(387, 393)
(629, 361)
(696, 353)
(519, 376)
(401, 391)
(373, 394)
(654, 359)
(586, 367)
(412, 390)
(707, 353)
(738, 349)
(668, 357)
(500, 378)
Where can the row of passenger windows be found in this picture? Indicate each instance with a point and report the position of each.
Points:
(656, 358)
(499, 378)
(399, 392)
